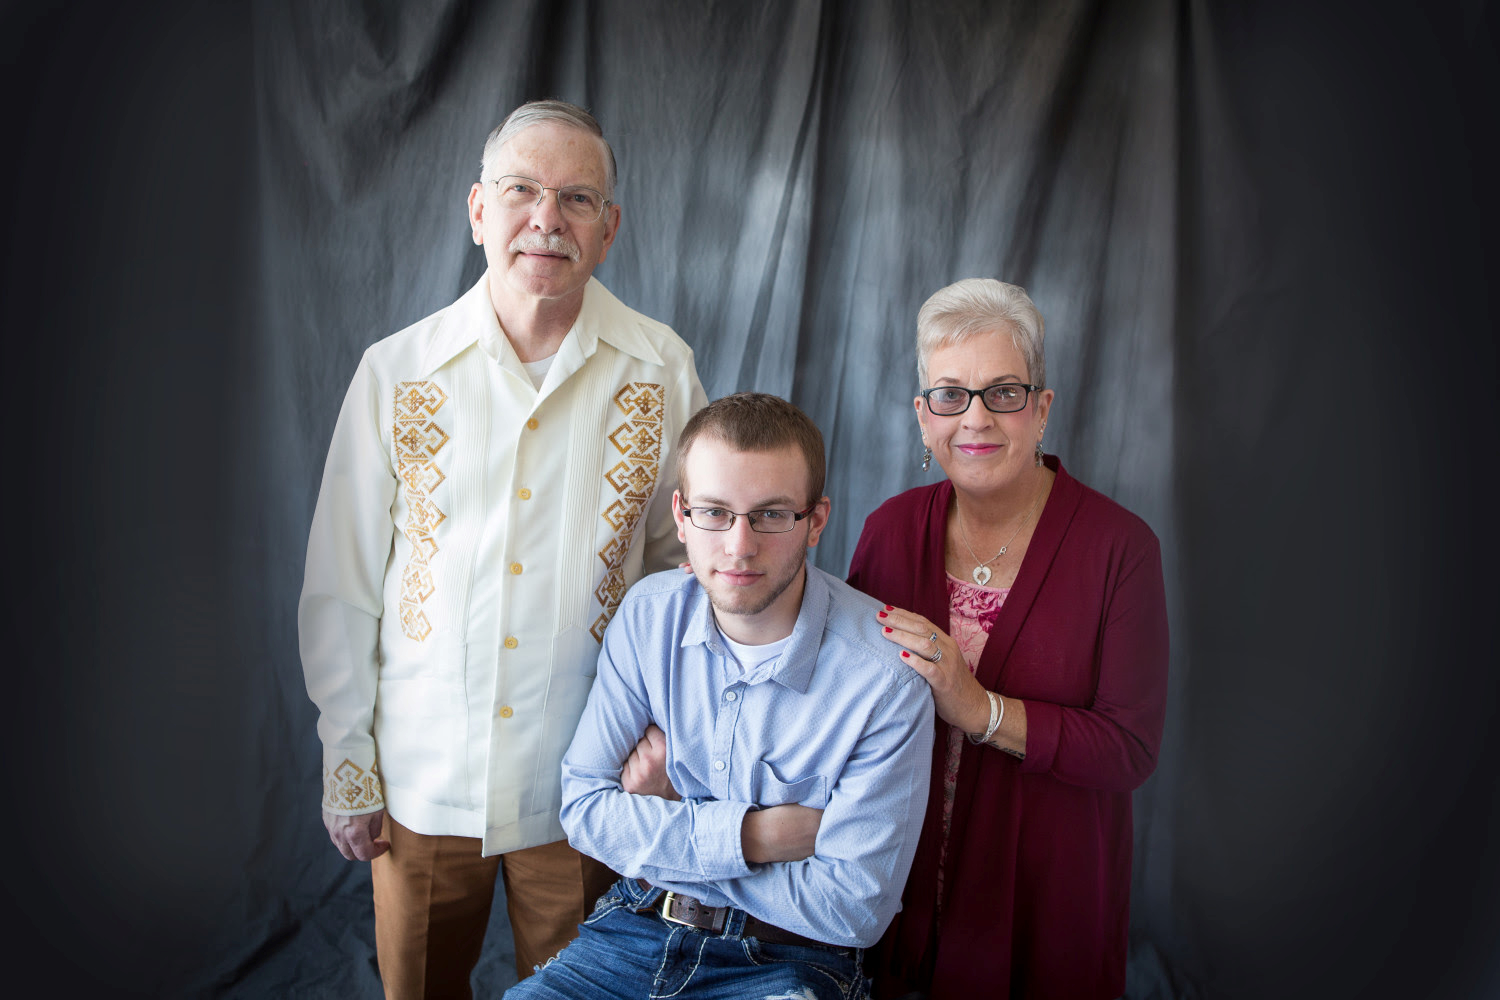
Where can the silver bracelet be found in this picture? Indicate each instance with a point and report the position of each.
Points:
(997, 713)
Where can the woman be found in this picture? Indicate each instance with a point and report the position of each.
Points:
(1037, 615)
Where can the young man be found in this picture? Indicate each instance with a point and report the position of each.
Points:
(797, 747)
(494, 484)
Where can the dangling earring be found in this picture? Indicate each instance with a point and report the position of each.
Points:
(1039, 453)
(926, 458)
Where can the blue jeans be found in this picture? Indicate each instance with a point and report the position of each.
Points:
(624, 955)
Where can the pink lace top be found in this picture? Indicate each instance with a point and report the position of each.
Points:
(971, 614)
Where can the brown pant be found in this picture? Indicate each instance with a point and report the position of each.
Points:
(432, 903)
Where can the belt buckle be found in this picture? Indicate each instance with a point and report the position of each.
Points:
(668, 898)
(696, 915)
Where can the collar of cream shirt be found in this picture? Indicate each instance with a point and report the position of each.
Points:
(472, 320)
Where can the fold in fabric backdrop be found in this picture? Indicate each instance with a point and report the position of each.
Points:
(1262, 240)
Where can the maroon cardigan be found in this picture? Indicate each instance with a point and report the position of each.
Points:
(1038, 875)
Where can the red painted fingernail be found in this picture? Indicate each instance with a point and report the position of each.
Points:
(889, 608)
(887, 628)
(906, 654)
(880, 615)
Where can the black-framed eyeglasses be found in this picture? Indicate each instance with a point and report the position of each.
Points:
(1004, 397)
(579, 202)
(769, 521)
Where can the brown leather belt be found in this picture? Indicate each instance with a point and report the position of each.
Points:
(680, 909)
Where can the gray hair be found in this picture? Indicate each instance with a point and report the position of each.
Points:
(975, 306)
(547, 113)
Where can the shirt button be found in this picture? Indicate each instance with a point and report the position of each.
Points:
(730, 696)
(532, 424)
(524, 494)
(510, 642)
(515, 568)
(506, 712)
(718, 765)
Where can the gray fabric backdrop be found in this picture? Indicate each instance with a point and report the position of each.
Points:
(1262, 238)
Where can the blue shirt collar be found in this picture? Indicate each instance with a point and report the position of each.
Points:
(795, 668)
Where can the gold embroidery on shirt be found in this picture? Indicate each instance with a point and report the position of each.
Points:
(639, 441)
(418, 439)
(350, 786)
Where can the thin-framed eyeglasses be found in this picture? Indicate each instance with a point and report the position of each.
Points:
(579, 202)
(1003, 397)
(767, 521)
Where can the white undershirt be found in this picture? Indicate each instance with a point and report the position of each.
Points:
(755, 662)
(537, 370)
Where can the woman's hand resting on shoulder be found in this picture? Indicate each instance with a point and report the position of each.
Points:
(960, 699)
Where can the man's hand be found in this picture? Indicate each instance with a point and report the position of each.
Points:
(354, 836)
(645, 771)
(780, 833)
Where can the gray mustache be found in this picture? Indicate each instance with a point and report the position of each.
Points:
(552, 243)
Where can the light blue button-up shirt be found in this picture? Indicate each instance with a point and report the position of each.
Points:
(838, 724)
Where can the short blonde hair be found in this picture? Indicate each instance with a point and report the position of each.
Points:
(755, 421)
(974, 306)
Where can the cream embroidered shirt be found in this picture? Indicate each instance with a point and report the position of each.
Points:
(472, 537)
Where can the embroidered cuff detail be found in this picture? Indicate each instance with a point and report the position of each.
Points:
(350, 788)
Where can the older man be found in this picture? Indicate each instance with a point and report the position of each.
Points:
(767, 821)
(492, 488)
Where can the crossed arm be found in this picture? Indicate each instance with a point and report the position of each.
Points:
(780, 833)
